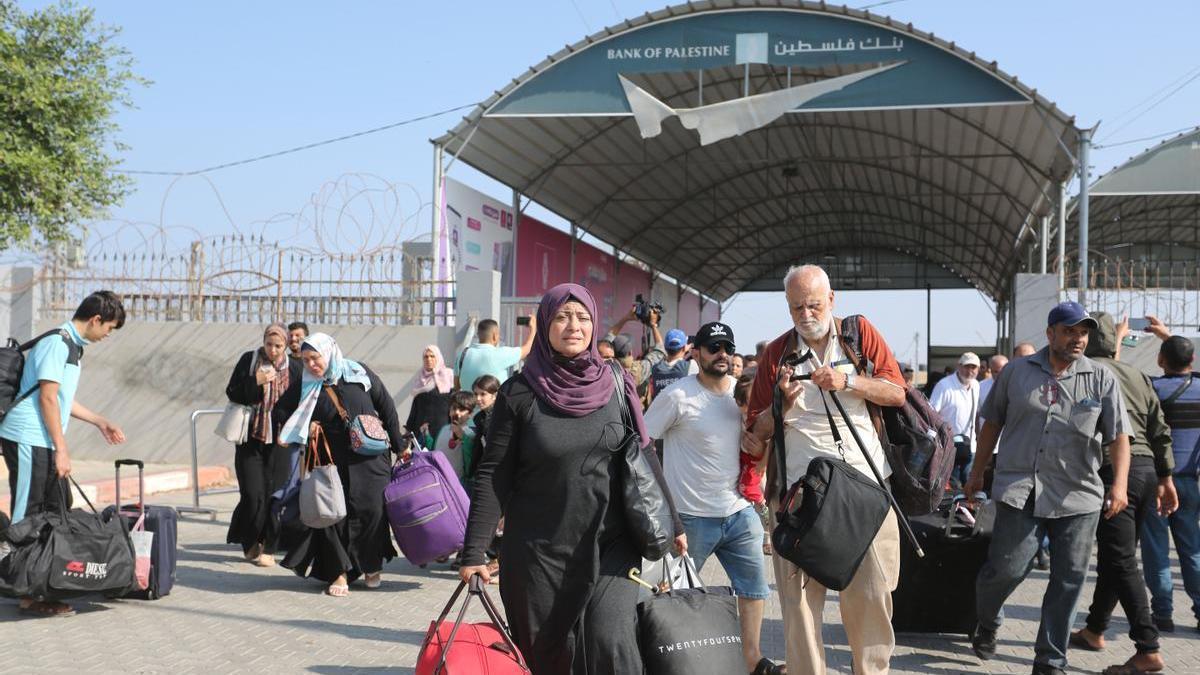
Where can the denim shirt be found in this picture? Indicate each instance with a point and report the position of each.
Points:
(1054, 432)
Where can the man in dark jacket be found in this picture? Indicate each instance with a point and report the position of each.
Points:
(1150, 488)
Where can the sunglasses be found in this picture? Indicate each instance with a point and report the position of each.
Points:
(719, 347)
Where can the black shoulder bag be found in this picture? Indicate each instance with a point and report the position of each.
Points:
(827, 519)
(647, 510)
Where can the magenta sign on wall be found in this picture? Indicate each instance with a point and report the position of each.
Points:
(543, 257)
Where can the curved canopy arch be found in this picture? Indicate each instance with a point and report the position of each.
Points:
(893, 146)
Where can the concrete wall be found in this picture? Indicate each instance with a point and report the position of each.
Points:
(149, 377)
(19, 297)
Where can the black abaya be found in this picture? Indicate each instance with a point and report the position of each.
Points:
(361, 542)
(565, 552)
(261, 468)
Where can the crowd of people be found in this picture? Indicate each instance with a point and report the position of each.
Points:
(1077, 450)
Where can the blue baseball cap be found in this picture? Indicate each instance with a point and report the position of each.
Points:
(1070, 314)
(675, 340)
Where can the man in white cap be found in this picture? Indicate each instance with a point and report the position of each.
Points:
(956, 398)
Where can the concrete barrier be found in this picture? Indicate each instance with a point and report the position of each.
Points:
(149, 377)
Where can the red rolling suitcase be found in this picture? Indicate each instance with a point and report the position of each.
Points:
(470, 648)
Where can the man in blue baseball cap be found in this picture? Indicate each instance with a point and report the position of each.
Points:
(1058, 409)
(674, 367)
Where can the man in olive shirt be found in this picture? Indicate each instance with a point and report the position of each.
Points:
(1056, 409)
(1150, 488)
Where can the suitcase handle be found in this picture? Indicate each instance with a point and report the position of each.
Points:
(474, 589)
(141, 467)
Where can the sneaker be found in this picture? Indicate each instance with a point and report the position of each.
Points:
(1164, 624)
(1043, 669)
(983, 642)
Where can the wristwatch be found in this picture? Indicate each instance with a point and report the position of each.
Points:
(850, 381)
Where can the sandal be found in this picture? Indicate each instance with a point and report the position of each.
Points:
(47, 609)
(1079, 642)
(373, 580)
(265, 560)
(768, 667)
(337, 590)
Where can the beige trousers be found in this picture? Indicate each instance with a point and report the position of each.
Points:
(866, 607)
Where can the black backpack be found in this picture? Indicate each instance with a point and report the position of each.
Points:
(12, 366)
(918, 443)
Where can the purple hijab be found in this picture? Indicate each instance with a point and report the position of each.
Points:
(578, 386)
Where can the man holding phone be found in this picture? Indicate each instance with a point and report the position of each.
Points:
(488, 357)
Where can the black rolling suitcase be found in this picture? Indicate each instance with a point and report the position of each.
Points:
(163, 521)
(936, 593)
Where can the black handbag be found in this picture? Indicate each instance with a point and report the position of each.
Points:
(647, 509)
(59, 556)
(828, 519)
(690, 631)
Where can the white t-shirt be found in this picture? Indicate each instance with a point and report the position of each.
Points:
(807, 434)
(955, 402)
(700, 431)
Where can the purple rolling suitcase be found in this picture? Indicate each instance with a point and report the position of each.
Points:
(426, 506)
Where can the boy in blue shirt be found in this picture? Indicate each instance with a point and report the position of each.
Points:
(32, 433)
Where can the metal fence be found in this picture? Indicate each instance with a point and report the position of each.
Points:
(1169, 290)
(238, 280)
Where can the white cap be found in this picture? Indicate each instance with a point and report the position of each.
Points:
(968, 359)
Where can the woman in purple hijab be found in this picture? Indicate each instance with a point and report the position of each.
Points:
(550, 470)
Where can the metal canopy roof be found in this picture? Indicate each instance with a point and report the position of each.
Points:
(1149, 207)
(931, 173)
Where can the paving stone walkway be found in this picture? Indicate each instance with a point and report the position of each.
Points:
(227, 616)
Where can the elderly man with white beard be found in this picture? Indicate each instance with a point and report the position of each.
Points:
(866, 604)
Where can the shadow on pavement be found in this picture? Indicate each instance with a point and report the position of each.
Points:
(358, 632)
(352, 669)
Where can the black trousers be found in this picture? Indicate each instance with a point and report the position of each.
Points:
(1118, 577)
(33, 482)
(261, 469)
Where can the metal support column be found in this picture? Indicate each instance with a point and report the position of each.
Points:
(1045, 244)
(1062, 239)
(574, 238)
(439, 263)
(928, 330)
(511, 286)
(1085, 150)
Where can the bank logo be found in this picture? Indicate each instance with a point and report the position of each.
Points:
(751, 48)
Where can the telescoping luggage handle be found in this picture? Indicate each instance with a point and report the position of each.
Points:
(474, 589)
(141, 467)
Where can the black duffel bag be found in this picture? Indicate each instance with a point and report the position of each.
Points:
(59, 556)
(828, 519)
(690, 631)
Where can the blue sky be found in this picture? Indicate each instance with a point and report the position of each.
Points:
(237, 80)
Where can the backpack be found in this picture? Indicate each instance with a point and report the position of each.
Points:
(918, 443)
(12, 366)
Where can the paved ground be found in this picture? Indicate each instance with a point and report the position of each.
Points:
(227, 616)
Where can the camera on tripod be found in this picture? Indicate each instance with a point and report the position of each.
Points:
(642, 309)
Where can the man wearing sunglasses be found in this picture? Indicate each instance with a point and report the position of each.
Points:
(700, 425)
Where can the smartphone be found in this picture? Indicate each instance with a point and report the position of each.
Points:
(1138, 323)
(522, 321)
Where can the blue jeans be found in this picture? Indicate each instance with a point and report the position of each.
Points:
(737, 540)
(1184, 525)
(1010, 557)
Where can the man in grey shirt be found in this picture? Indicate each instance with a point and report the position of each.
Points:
(1057, 409)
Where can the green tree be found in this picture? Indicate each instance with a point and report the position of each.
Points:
(62, 79)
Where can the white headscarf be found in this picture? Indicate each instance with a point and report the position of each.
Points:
(337, 367)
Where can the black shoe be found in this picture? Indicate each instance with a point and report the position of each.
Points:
(983, 642)
(1041, 561)
(1164, 624)
(1043, 669)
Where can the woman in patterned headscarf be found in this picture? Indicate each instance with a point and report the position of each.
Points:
(334, 390)
(268, 381)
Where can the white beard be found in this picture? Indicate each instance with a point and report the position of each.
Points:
(813, 330)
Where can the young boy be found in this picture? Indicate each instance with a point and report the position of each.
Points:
(32, 433)
(456, 440)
